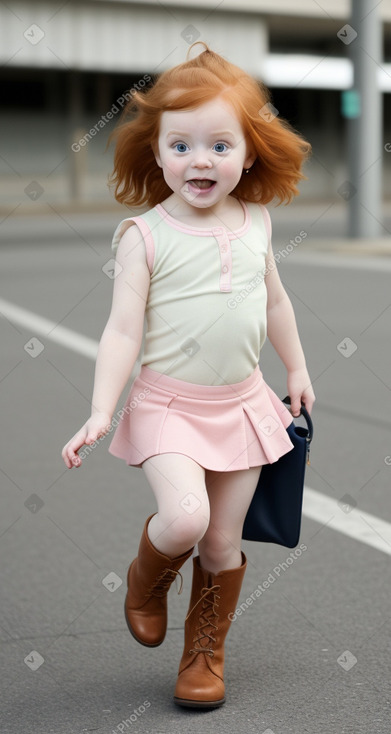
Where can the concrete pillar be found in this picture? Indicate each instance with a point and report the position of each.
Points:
(77, 156)
(365, 130)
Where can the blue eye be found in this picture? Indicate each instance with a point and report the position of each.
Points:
(218, 147)
(180, 147)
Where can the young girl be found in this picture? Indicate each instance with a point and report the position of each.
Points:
(205, 152)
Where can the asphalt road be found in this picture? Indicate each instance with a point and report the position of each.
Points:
(312, 654)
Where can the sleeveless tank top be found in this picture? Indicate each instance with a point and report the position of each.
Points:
(206, 306)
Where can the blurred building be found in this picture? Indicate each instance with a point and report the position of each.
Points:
(66, 67)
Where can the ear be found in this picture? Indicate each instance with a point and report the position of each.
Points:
(155, 149)
(251, 158)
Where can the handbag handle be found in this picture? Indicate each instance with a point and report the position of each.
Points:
(304, 412)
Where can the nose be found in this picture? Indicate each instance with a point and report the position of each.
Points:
(201, 159)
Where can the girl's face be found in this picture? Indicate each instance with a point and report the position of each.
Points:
(202, 153)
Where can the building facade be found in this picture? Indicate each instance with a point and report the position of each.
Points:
(67, 71)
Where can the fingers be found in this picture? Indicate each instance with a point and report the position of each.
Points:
(70, 456)
(308, 401)
(295, 407)
(69, 452)
(296, 402)
(85, 436)
(310, 405)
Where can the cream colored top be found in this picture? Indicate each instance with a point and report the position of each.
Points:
(206, 307)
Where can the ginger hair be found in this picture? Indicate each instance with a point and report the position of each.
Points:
(280, 150)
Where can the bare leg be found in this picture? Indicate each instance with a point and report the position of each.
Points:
(178, 484)
(230, 494)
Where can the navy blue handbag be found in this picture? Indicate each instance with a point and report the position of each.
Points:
(274, 515)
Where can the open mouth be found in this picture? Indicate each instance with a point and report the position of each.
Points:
(202, 183)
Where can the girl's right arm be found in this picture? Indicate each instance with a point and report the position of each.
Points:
(120, 342)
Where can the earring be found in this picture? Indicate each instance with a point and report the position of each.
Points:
(246, 170)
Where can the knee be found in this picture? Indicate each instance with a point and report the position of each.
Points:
(186, 524)
(189, 528)
(219, 543)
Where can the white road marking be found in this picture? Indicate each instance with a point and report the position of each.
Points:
(354, 523)
(38, 325)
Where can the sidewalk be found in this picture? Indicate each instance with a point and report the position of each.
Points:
(324, 224)
(380, 246)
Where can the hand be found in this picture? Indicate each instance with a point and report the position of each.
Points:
(300, 390)
(96, 427)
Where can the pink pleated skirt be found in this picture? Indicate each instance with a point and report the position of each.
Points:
(221, 427)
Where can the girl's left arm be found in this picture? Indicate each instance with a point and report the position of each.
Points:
(283, 335)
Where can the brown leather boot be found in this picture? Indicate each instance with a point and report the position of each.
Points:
(214, 597)
(150, 576)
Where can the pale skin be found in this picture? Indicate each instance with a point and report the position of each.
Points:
(205, 143)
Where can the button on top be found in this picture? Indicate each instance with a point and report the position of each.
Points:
(225, 269)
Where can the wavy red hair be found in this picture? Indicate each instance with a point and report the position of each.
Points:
(280, 150)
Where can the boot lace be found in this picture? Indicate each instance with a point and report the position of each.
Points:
(163, 582)
(206, 627)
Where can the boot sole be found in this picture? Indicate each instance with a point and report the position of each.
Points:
(188, 703)
(146, 644)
